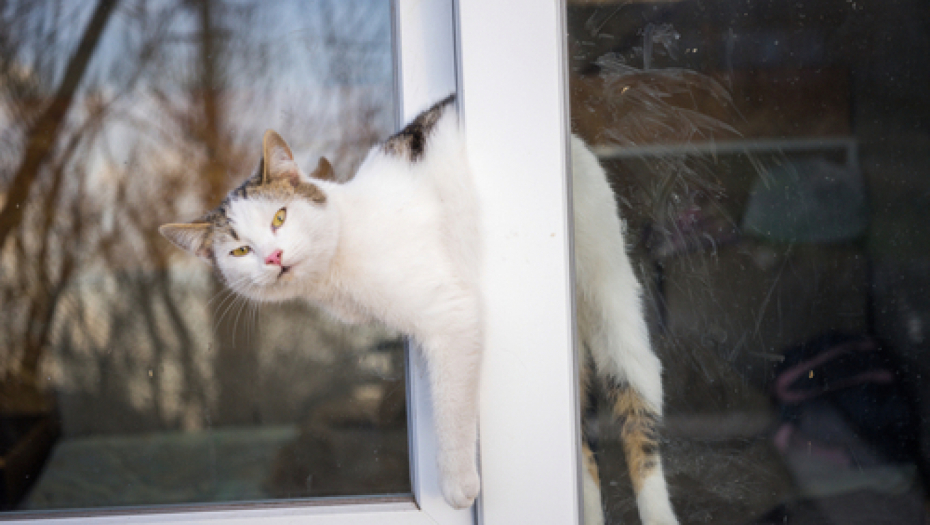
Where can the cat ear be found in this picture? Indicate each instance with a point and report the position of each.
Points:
(278, 160)
(189, 236)
(324, 171)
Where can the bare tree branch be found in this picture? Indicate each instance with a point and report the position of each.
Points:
(43, 134)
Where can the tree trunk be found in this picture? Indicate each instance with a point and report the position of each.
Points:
(235, 362)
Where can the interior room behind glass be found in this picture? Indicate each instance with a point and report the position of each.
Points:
(772, 161)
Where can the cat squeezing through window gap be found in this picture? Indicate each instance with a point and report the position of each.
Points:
(399, 243)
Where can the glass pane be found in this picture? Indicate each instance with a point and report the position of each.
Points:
(771, 162)
(128, 374)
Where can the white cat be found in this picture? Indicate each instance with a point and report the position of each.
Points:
(399, 243)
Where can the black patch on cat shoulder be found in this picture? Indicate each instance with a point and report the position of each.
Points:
(410, 142)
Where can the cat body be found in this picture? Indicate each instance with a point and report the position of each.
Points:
(399, 243)
(384, 246)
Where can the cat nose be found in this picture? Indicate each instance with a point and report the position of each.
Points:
(275, 257)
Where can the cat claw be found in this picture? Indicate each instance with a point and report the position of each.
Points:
(460, 491)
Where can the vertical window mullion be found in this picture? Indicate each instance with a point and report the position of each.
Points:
(425, 58)
(513, 89)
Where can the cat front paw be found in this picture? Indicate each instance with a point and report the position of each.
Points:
(461, 489)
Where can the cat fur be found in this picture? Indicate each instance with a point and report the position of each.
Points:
(399, 243)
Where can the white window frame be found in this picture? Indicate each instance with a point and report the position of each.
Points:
(506, 60)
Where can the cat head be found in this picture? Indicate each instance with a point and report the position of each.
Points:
(273, 234)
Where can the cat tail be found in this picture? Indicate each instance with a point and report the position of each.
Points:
(613, 329)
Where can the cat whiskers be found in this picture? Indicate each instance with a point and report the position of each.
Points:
(230, 297)
(228, 290)
(237, 298)
(255, 307)
(223, 306)
(246, 305)
(219, 319)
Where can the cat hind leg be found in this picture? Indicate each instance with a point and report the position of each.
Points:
(612, 326)
(632, 375)
(640, 437)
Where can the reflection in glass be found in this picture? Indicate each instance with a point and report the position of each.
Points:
(128, 375)
(770, 160)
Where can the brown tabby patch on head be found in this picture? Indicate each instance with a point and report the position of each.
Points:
(410, 142)
(246, 189)
(278, 189)
(639, 432)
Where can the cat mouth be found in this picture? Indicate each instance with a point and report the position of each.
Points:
(285, 270)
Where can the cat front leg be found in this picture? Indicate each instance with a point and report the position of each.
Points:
(452, 342)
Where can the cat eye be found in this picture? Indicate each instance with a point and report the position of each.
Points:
(240, 251)
(279, 218)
